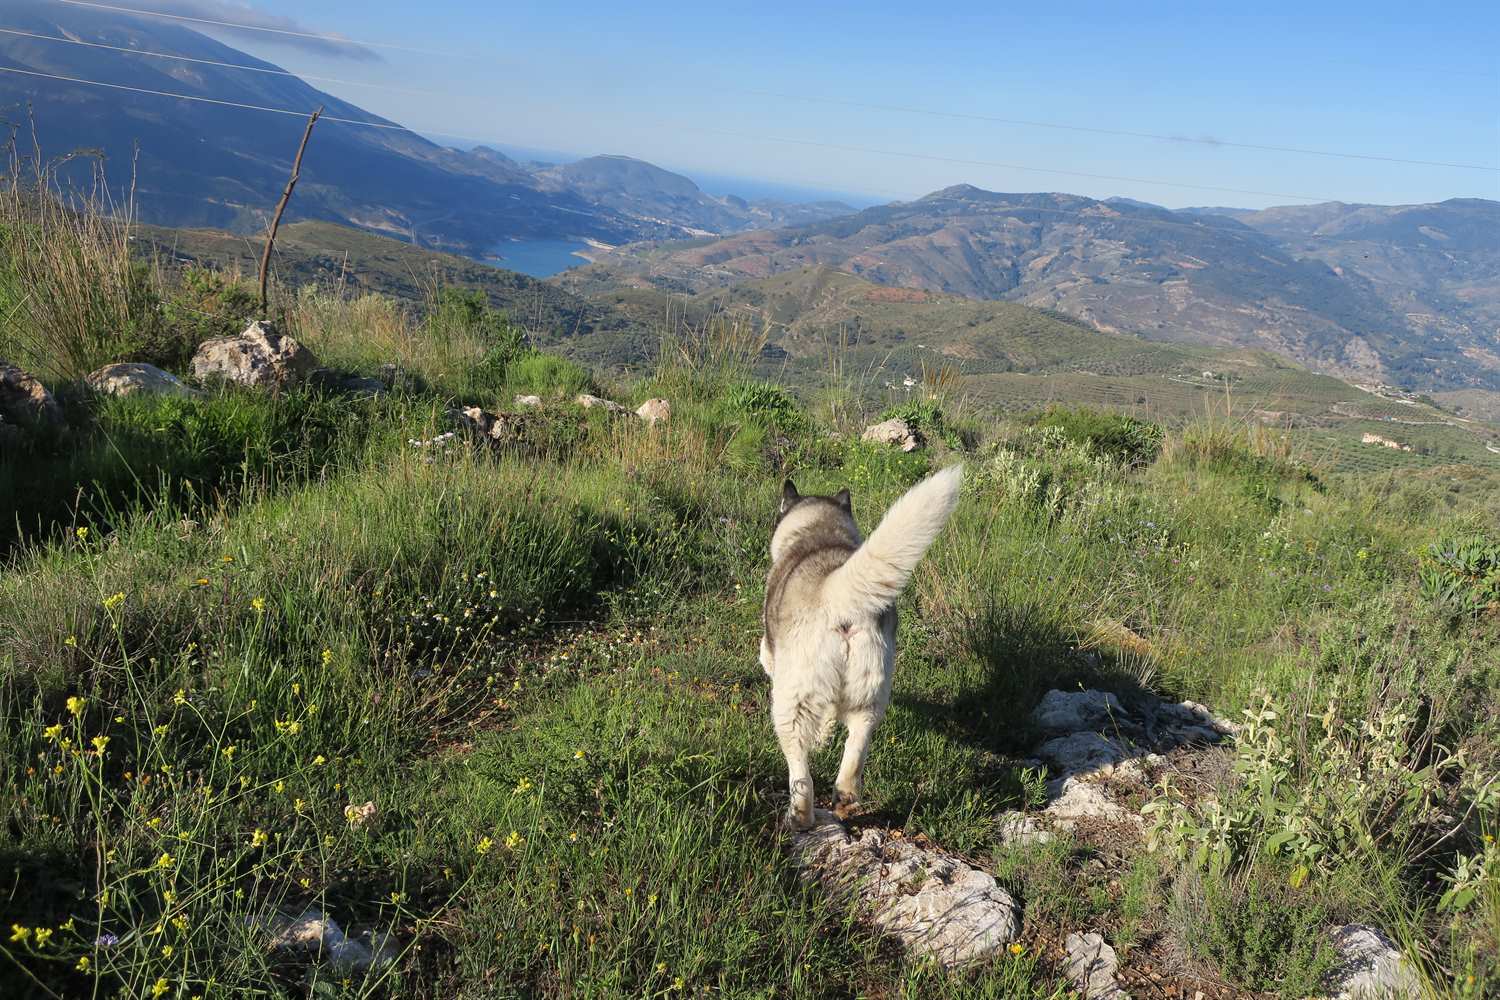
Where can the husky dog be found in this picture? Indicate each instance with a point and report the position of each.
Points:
(829, 643)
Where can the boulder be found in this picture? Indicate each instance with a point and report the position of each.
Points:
(934, 904)
(131, 377)
(654, 410)
(313, 934)
(1371, 967)
(1072, 711)
(597, 402)
(1091, 967)
(25, 401)
(528, 402)
(895, 432)
(490, 428)
(260, 356)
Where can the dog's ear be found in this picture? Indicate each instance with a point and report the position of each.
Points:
(789, 496)
(842, 499)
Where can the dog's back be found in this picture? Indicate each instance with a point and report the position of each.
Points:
(830, 619)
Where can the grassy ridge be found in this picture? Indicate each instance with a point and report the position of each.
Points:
(537, 664)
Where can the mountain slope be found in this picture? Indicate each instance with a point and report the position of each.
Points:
(1118, 265)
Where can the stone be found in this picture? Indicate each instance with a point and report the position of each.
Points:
(25, 401)
(491, 428)
(347, 384)
(1072, 711)
(364, 815)
(131, 377)
(528, 402)
(1073, 799)
(1091, 967)
(895, 432)
(934, 904)
(1016, 829)
(1371, 967)
(654, 410)
(261, 356)
(314, 934)
(589, 402)
(1086, 751)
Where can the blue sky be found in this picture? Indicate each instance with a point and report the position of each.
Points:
(779, 92)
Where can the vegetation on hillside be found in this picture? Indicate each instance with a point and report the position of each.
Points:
(537, 664)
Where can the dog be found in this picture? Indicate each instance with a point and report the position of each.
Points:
(829, 624)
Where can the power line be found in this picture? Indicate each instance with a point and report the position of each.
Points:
(692, 128)
(896, 108)
(1005, 166)
(213, 62)
(331, 39)
(963, 116)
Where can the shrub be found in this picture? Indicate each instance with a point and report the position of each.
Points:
(926, 416)
(1123, 438)
(205, 304)
(1461, 572)
(768, 405)
(536, 373)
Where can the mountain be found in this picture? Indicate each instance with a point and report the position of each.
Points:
(651, 195)
(200, 163)
(1418, 312)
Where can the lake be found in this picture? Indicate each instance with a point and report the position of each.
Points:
(538, 258)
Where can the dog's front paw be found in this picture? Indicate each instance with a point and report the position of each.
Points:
(846, 804)
(798, 820)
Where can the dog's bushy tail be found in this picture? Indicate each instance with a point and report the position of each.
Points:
(877, 572)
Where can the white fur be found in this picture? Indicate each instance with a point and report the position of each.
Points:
(834, 656)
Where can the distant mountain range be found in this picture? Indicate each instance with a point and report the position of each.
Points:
(197, 163)
(1403, 294)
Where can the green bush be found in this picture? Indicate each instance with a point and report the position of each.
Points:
(1461, 572)
(768, 405)
(205, 304)
(926, 416)
(1123, 438)
(539, 374)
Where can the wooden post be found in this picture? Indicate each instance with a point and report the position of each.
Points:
(286, 196)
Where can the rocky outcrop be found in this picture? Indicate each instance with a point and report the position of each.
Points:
(934, 904)
(1095, 748)
(654, 411)
(312, 934)
(128, 378)
(493, 429)
(1371, 967)
(528, 402)
(897, 433)
(261, 356)
(589, 402)
(25, 401)
(1091, 967)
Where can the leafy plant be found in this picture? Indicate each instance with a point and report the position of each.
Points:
(1462, 573)
(926, 415)
(1123, 438)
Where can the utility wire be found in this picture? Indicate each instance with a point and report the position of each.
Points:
(963, 116)
(331, 39)
(214, 62)
(896, 108)
(692, 128)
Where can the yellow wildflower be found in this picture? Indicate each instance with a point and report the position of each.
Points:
(71, 640)
(100, 742)
(180, 698)
(1015, 948)
(290, 726)
(228, 559)
(160, 730)
(228, 752)
(258, 604)
(514, 840)
(484, 846)
(114, 600)
(166, 951)
(159, 988)
(327, 657)
(319, 760)
(258, 838)
(19, 933)
(298, 804)
(522, 787)
(82, 533)
(202, 581)
(181, 923)
(166, 860)
(279, 787)
(83, 964)
(75, 705)
(53, 731)
(579, 755)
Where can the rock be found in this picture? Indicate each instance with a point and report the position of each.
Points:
(124, 379)
(1071, 711)
(1073, 799)
(1086, 751)
(346, 384)
(314, 934)
(654, 410)
(25, 401)
(934, 904)
(1091, 967)
(357, 816)
(397, 379)
(1372, 968)
(259, 357)
(529, 402)
(592, 402)
(895, 432)
(1016, 829)
(492, 428)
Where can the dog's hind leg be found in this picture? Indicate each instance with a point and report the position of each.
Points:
(796, 730)
(861, 725)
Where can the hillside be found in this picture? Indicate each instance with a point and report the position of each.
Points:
(1131, 267)
(196, 163)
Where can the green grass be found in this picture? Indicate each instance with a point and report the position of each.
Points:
(539, 664)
